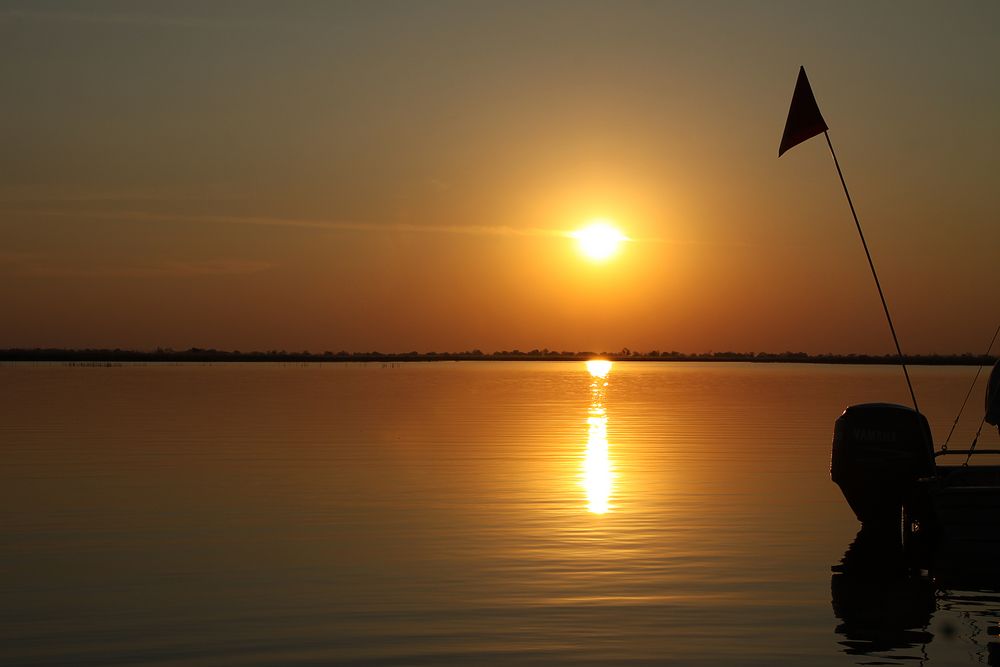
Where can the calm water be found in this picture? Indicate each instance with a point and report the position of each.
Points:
(454, 513)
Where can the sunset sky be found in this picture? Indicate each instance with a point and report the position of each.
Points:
(401, 176)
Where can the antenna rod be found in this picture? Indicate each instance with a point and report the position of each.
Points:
(885, 307)
(972, 386)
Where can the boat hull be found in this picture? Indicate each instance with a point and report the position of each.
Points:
(966, 503)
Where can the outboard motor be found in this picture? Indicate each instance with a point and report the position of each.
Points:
(880, 451)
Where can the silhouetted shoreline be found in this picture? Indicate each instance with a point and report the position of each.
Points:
(101, 356)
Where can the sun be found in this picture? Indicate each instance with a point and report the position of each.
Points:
(599, 240)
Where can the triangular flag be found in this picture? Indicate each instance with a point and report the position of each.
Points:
(804, 119)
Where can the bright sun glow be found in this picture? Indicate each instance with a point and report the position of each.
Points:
(599, 240)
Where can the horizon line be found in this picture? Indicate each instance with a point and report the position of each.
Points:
(625, 354)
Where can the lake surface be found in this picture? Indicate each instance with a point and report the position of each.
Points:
(449, 513)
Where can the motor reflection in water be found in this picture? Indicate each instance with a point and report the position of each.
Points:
(894, 601)
(598, 478)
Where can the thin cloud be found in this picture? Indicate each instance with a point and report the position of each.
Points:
(13, 260)
(31, 265)
(332, 225)
(29, 197)
(328, 225)
(119, 18)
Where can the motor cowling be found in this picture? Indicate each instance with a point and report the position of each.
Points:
(880, 451)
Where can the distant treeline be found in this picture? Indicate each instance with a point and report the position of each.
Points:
(195, 354)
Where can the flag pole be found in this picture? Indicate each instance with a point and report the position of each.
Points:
(871, 264)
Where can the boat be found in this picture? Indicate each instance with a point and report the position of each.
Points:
(941, 558)
(883, 458)
(884, 461)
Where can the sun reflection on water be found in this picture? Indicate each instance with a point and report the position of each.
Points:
(597, 476)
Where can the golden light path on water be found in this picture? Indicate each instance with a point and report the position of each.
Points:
(597, 478)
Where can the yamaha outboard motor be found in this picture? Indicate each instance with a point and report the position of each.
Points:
(880, 451)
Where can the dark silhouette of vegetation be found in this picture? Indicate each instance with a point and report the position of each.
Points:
(209, 355)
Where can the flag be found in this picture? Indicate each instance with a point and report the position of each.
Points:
(804, 119)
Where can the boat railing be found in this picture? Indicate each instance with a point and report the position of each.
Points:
(966, 452)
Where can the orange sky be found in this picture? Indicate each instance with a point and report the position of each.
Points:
(396, 176)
